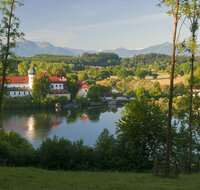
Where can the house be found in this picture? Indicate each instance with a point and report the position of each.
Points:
(22, 85)
(83, 90)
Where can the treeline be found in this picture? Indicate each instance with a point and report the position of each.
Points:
(29, 103)
(118, 66)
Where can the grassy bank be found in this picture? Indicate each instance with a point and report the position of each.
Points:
(37, 179)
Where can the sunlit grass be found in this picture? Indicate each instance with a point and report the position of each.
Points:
(37, 179)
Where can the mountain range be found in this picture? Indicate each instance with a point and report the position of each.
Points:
(28, 48)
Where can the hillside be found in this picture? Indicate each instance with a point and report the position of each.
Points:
(28, 48)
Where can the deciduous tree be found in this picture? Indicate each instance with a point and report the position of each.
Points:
(9, 33)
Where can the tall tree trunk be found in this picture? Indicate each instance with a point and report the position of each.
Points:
(5, 56)
(190, 114)
(168, 144)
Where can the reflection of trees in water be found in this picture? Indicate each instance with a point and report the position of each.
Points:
(45, 120)
(93, 114)
(6, 115)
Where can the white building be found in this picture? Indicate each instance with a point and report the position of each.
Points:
(83, 90)
(22, 85)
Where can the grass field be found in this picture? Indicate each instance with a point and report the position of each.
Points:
(37, 179)
(164, 79)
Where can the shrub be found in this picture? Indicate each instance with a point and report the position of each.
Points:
(62, 154)
(15, 150)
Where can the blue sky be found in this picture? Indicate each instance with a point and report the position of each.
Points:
(94, 24)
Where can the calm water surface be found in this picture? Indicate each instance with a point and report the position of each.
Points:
(85, 124)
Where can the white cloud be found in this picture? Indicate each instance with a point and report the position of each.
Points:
(138, 20)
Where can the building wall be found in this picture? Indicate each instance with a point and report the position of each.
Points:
(83, 92)
(57, 86)
(22, 85)
(14, 94)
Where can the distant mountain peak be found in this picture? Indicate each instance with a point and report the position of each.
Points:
(44, 44)
(29, 48)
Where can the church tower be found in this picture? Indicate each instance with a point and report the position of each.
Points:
(31, 74)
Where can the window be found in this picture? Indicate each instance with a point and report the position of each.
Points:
(14, 93)
(24, 93)
(19, 93)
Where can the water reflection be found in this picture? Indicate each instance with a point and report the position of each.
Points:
(77, 124)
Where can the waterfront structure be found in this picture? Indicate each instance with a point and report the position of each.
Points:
(19, 86)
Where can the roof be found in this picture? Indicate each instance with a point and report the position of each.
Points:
(17, 79)
(19, 89)
(85, 86)
(54, 79)
(59, 92)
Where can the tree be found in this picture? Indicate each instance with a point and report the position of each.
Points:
(141, 73)
(156, 91)
(8, 35)
(141, 133)
(95, 92)
(141, 93)
(41, 86)
(72, 87)
(174, 7)
(192, 12)
(23, 68)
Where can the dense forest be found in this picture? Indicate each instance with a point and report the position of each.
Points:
(109, 61)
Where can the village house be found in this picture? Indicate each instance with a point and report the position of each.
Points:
(19, 86)
(83, 90)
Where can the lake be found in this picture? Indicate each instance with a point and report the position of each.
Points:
(85, 124)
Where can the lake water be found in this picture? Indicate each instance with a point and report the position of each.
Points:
(85, 124)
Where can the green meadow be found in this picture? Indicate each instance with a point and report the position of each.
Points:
(38, 179)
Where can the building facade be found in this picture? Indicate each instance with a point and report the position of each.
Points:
(19, 86)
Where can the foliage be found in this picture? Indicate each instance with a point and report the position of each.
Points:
(41, 86)
(82, 101)
(156, 91)
(28, 103)
(106, 151)
(15, 150)
(95, 92)
(62, 154)
(141, 93)
(9, 33)
(141, 132)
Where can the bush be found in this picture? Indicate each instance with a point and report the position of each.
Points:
(15, 150)
(62, 154)
(106, 151)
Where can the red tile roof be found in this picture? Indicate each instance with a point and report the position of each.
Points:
(53, 79)
(85, 86)
(17, 79)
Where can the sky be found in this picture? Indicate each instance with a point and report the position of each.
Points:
(96, 24)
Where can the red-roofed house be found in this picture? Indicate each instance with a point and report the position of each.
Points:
(83, 90)
(22, 85)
